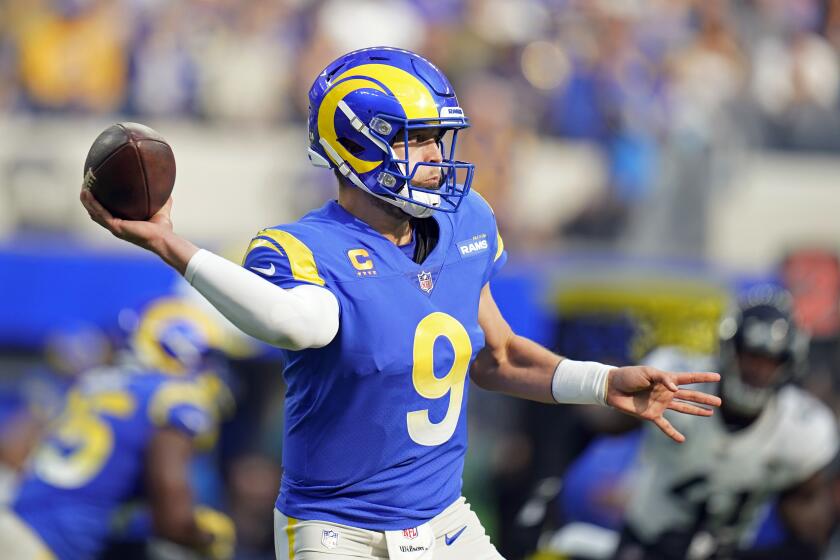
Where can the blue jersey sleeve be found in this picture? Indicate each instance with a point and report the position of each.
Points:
(185, 406)
(282, 258)
(499, 257)
(497, 246)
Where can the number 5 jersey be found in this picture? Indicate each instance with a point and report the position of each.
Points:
(92, 460)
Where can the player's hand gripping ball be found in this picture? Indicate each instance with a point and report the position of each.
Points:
(130, 170)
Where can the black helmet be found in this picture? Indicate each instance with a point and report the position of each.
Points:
(763, 325)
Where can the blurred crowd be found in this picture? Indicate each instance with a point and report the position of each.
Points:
(645, 80)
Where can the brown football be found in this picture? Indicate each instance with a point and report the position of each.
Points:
(130, 169)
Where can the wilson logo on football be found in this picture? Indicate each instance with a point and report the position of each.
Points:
(90, 179)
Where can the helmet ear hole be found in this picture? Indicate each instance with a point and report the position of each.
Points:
(351, 146)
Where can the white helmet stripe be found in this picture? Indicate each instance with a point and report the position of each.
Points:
(357, 123)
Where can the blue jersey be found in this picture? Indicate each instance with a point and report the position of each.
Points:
(375, 430)
(92, 460)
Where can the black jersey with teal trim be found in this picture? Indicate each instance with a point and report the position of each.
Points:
(375, 430)
(92, 460)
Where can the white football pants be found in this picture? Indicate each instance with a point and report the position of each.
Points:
(18, 541)
(310, 540)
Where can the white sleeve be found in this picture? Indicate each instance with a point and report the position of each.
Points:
(301, 317)
(812, 435)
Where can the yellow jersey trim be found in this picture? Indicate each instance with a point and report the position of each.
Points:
(500, 245)
(174, 393)
(257, 242)
(301, 259)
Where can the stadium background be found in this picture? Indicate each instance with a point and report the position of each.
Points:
(646, 160)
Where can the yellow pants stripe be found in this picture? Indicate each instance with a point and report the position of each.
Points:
(290, 536)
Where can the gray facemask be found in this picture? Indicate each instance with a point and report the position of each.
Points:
(743, 398)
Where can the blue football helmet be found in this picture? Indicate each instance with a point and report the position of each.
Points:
(365, 101)
(75, 347)
(176, 337)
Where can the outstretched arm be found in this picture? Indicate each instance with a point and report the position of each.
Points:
(155, 235)
(300, 317)
(174, 514)
(515, 365)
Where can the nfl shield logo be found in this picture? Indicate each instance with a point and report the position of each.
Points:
(329, 538)
(410, 533)
(425, 279)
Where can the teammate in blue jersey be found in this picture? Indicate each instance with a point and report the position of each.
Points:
(126, 434)
(382, 302)
(31, 402)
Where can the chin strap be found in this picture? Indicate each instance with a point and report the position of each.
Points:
(416, 210)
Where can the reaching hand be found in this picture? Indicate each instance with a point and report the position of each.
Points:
(647, 393)
(155, 235)
(145, 234)
(222, 530)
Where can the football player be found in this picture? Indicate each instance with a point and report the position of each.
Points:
(69, 350)
(127, 433)
(381, 300)
(772, 440)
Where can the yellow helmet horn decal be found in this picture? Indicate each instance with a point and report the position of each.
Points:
(412, 94)
(157, 317)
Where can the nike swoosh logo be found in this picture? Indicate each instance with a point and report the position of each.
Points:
(449, 540)
(267, 271)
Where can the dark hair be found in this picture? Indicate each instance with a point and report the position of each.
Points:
(342, 180)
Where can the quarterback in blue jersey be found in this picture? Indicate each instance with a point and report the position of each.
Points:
(381, 300)
(126, 434)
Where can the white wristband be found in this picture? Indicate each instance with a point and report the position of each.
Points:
(580, 382)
